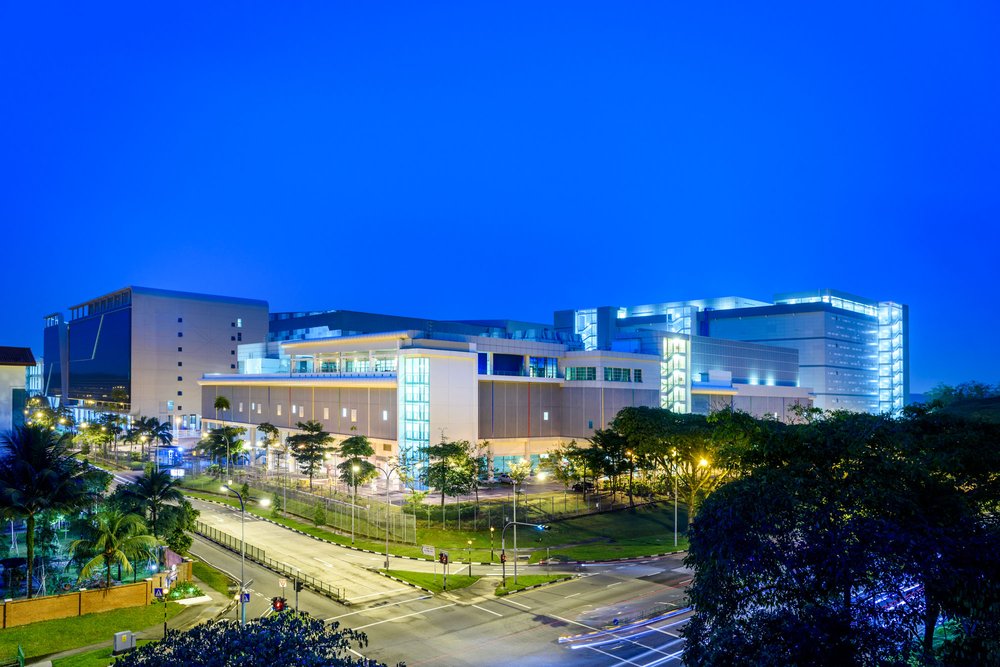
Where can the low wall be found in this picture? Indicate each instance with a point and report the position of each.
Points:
(51, 607)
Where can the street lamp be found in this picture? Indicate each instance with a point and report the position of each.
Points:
(387, 471)
(243, 550)
(674, 453)
(469, 549)
(492, 530)
(355, 468)
(503, 543)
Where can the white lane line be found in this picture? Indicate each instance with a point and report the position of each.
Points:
(488, 611)
(397, 618)
(573, 595)
(566, 620)
(666, 658)
(371, 595)
(362, 611)
(522, 606)
(328, 564)
(356, 653)
(615, 657)
(202, 558)
(614, 584)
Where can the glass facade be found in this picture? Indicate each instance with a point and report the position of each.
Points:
(416, 416)
(581, 373)
(100, 357)
(543, 367)
(585, 326)
(675, 382)
(891, 357)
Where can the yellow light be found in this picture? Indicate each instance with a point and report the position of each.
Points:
(542, 475)
(703, 462)
(265, 502)
(224, 488)
(356, 467)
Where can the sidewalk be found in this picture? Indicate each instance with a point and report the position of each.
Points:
(185, 620)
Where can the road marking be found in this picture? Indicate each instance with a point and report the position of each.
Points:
(615, 657)
(614, 584)
(370, 595)
(566, 620)
(523, 606)
(216, 566)
(487, 610)
(397, 618)
(573, 595)
(362, 611)
(356, 653)
(328, 564)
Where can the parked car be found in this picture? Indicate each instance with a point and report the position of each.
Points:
(583, 486)
(504, 478)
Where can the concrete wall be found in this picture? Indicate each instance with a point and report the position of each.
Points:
(78, 603)
(208, 344)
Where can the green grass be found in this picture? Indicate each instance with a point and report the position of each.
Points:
(212, 577)
(65, 633)
(625, 533)
(100, 658)
(525, 580)
(434, 582)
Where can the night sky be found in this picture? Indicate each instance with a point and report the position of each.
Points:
(474, 160)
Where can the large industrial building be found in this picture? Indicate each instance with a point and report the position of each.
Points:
(143, 350)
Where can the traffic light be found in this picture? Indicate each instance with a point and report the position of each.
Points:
(278, 603)
(298, 586)
(503, 557)
(443, 557)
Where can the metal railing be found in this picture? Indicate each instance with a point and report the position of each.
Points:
(258, 555)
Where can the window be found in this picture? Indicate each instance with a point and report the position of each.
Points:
(385, 415)
(232, 324)
(180, 379)
(258, 408)
(295, 408)
(241, 407)
(590, 423)
(638, 375)
(326, 413)
(180, 349)
(253, 406)
(386, 447)
(302, 411)
(180, 407)
(170, 405)
(232, 366)
(179, 364)
(180, 393)
(581, 373)
(232, 338)
(545, 416)
(232, 351)
(239, 322)
(354, 415)
(343, 412)
(179, 320)
(617, 374)
(180, 334)
(278, 409)
(239, 336)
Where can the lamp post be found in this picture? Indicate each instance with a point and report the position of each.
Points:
(503, 543)
(469, 549)
(674, 452)
(243, 550)
(492, 530)
(354, 495)
(387, 471)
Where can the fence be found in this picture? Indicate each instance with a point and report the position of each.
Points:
(258, 555)
(366, 517)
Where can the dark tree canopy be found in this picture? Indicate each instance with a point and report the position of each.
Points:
(286, 638)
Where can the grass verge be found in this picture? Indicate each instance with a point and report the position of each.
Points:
(633, 548)
(63, 634)
(215, 579)
(525, 580)
(100, 658)
(433, 582)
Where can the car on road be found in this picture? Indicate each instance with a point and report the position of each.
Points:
(583, 486)
(504, 478)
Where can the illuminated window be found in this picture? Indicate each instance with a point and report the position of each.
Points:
(545, 416)
(326, 413)
(581, 373)
(354, 415)
(239, 322)
(343, 412)
(617, 374)
(638, 375)
(385, 415)
(278, 409)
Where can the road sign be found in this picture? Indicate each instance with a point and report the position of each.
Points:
(282, 582)
(427, 550)
(157, 592)
(244, 598)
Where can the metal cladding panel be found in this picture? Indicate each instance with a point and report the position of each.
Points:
(486, 410)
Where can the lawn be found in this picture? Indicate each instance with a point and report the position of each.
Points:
(212, 577)
(525, 580)
(625, 533)
(100, 658)
(434, 582)
(65, 633)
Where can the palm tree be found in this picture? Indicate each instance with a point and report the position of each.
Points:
(224, 441)
(153, 490)
(38, 473)
(271, 435)
(221, 403)
(151, 430)
(116, 537)
(310, 447)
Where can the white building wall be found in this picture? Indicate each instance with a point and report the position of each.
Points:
(11, 378)
(454, 399)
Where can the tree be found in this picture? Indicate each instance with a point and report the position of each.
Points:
(311, 447)
(271, 437)
(444, 471)
(277, 639)
(150, 431)
(152, 491)
(356, 469)
(117, 539)
(40, 412)
(611, 455)
(221, 403)
(223, 443)
(176, 522)
(38, 473)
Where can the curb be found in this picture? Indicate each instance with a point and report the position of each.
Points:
(321, 539)
(610, 560)
(533, 586)
(397, 579)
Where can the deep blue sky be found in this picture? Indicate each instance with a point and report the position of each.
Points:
(504, 160)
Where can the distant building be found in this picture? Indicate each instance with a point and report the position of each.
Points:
(143, 350)
(13, 362)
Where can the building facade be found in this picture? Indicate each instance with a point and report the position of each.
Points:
(408, 389)
(143, 350)
(14, 363)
